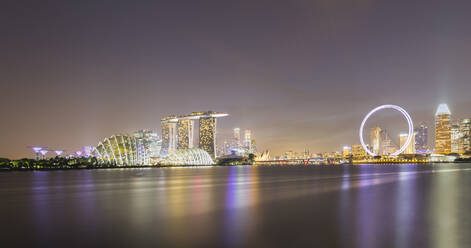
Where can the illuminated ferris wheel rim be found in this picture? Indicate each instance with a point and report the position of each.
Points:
(406, 116)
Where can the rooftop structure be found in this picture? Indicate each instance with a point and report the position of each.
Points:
(443, 110)
(178, 132)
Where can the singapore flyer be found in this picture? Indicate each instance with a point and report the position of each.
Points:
(406, 116)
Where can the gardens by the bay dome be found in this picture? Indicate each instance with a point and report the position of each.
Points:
(192, 156)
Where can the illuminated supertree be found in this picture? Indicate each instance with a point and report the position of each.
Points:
(78, 153)
(36, 150)
(44, 152)
(59, 152)
(87, 151)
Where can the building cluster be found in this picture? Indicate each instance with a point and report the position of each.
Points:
(178, 132)
(186, 139)
(179, 143)
(237, 145)
(451, 137)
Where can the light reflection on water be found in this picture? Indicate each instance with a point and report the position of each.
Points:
(347, 206)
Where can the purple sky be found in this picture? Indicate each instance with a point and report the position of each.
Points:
(299, 73)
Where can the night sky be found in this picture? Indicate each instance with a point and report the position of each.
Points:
(299, 74)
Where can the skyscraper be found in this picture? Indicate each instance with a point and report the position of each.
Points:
(358, 151)
(248, 141)
(347, 151)
(207, 134)
(442, 130)
(387, 146)
(465, 140)
(185, 133)
(375, 140)
(169, 128)
(410, 149)
(178, 132)
(455, 137)
(148, 145)
(421, 137)
(236, 138)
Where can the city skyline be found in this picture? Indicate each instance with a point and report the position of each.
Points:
(288, 71)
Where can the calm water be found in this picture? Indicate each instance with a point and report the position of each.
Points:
(264, 206)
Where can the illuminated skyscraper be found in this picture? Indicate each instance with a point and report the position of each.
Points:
(148, 145)
(421, 137)
(347, 151)
(207, 134)
(455, 137)
(358, 151)
(236, 139)
(375, 140)
(465, 140)
(410, 149)
(387, 146)
(169, 132)
(248, 141)
(185, 132)
(178, 132)
(442, 130)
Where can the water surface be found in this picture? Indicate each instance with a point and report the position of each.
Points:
(264, 206)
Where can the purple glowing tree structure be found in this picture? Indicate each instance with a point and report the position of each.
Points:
(36, 150)
(44, 152)
(59, 152)
(87, 151)
(78, 153)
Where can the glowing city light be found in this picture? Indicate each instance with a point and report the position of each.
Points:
(44, 152)
(406, 116)
(87, 150)
(36, 149)
(58, 152)
(78, 153)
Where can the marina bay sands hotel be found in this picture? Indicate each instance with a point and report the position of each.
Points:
(178, 132)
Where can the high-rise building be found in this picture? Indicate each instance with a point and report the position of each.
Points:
(375, 140)
(347, 151)
(185, 133)
(207, 134)
(455, 137)
(358, 151)
(169, 132)
(387, 145)
(465, 140)
(410, 149)
(148, 145)
(306, 153)
(248, 141)
(254, 146)
(442, 130)
(236, 138)
(421, 137)
(178, 132)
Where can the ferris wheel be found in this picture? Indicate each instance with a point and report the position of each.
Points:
(406, 116)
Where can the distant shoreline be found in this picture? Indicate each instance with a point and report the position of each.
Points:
(218, 165)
